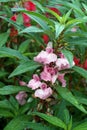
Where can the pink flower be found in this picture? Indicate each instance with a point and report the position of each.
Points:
(49, 74)
(63, 63)
(45, 75)
(46, 57)
(21, 97)
(30, 6)
(43, 93)
(61, 55)
(74, 29)
(43, 86)
(54, 78)
(35, 82)
(61, 79)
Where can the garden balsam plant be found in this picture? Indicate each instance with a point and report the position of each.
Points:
(43, 76)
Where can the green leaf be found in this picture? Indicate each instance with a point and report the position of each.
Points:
(21, 122)
(70, 5)
(12, 22)
(66, 16)
(54, 14)
(82, 100)
(42, 17)
(51, 119)
(35, 17)
(5, 104)
(39, 6)
(14, 103)
(19, 19)
(3, 38)
(3, 73)
(81, 71)
(66, 115)
(85, 6)
(18, 123)
(59, 28)
(69, 56)
(24, 67)
(5, 113)
(23, 46)
(31, 29)
(8, 52)
(81, 126)
(70, 124)
(32, 103)
(10, 89)
(68, 96)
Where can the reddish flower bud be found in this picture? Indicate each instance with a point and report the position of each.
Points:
(45, 38)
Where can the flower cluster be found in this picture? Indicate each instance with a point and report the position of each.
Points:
(52, 66)
(28, 5)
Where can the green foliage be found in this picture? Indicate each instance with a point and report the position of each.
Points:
(12, 53)
(64, 23)
(24, 67)
(81, 71)
(21, 122)
(51, 119)
(6, 90)
(3, 38)
(67, 95)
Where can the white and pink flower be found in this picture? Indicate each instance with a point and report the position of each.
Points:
(61, 79)
(49, 74)
(35, 82)
(47, 56)
(43, 93)
(63, 63)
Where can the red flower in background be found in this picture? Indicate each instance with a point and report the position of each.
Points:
(77, 61)
(13, 32)
(85, 65)
(26, 20)
(55, 10)
(29, 6)
(14, 18)
(45, 38)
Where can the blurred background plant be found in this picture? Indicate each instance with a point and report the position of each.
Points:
(26, 28)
